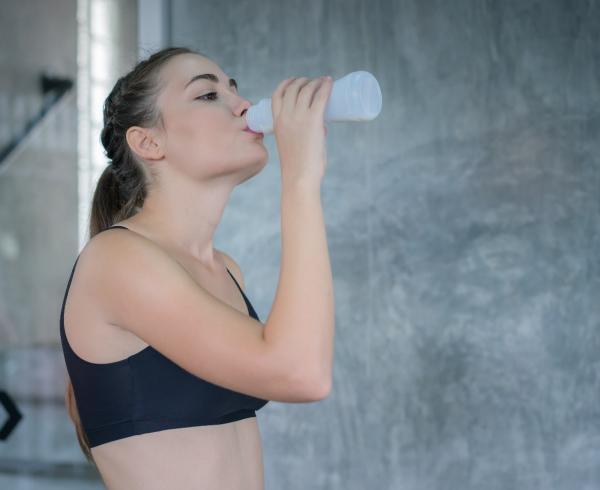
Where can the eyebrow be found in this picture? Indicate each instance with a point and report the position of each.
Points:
(212, 78)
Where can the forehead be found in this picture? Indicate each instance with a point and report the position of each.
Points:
(180, 69)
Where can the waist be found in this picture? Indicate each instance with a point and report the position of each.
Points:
(126, 428)
(217, 456)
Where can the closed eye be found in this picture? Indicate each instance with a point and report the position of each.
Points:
(208, 95)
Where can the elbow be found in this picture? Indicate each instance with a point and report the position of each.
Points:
(313, 387)
(320, 388)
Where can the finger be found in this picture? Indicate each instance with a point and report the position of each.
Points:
(322, 96)
(290, 95)
(308, 91)
(276, 98)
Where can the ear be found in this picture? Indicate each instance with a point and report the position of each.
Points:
(145, 142)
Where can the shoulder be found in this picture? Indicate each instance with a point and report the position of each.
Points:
(116, 263)
(122, 247)
(116, 255)
(111, 243)
(233, 267)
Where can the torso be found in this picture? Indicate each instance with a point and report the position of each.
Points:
(226, 456)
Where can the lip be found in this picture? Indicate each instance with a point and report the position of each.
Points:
(248, 130)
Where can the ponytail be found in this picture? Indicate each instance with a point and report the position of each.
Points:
(116, 200)
(71, 405)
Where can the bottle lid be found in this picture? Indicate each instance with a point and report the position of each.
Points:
(259, 117)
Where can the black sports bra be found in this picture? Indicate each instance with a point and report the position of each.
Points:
(147, 392)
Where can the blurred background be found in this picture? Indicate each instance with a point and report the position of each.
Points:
(463, 227)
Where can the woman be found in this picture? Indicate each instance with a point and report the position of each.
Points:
(167, 358)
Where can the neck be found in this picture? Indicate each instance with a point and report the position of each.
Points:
(183, 215)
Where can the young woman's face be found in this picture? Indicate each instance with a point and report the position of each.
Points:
(204, 122)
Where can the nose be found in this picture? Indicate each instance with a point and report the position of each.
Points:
(243, 106)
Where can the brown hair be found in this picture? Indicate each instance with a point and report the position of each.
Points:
(123, 185)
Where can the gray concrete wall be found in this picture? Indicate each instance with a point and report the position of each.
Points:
(463, 229)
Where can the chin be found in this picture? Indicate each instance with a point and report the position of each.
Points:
(255, 169)
(259, 162)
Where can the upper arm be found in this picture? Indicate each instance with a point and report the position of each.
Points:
(140, 288)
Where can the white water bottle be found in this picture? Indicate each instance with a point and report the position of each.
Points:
(354, 97)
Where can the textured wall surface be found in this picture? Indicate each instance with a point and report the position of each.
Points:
(463, 226)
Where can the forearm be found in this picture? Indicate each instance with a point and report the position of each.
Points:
(301, 322)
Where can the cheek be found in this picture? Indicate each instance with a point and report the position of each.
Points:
(201, 127)
(200, 136)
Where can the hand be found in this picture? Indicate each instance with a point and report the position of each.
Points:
(298, 106)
